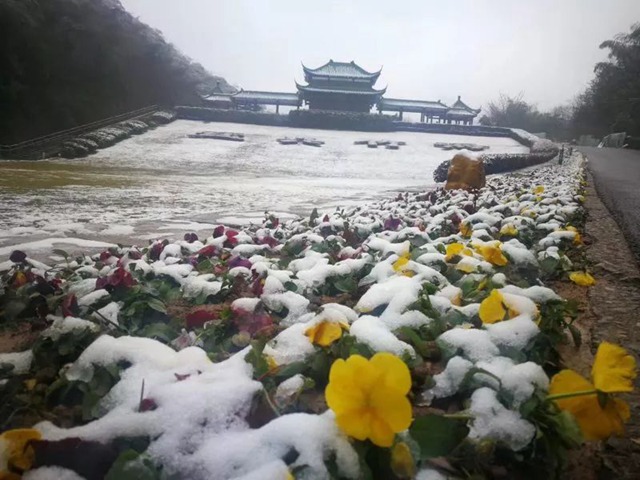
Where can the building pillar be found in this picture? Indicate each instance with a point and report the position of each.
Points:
(277, 108)
(400, 114)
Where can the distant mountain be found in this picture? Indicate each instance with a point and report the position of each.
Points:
(69, 62)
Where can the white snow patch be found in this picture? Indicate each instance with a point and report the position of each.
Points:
(21, 361)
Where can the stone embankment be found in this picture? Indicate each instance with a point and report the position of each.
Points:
(88, 143)
(541, 150)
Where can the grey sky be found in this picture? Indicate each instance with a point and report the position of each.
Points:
(429, 49)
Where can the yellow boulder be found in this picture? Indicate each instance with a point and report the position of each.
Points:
(465, 173)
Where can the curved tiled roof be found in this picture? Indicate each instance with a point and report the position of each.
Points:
(373, 91)
(266, 97)
(461, 112)
(411, 105)
(463, 106)
(341, 70)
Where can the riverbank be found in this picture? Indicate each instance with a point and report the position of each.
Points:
(275, 304)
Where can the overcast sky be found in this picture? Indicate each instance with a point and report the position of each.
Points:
(428, 49)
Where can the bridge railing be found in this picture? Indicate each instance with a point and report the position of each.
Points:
(47, 144)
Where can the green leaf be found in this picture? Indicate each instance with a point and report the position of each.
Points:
(291, 370)
(157, 305)
(569, 429)
(60, 252)
(256, 359)
(13, 309)
(6, 368)
(438, 436)
(205, 266)
(345, 284)
(130, 465)
(548, 265)
(314, 216)
(159, 331)
(426, 349)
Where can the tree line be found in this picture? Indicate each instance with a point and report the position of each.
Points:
(610, 104)
(68, 62)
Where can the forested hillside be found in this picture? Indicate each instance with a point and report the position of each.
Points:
(68, 62)
(612, 101)
(610, 104)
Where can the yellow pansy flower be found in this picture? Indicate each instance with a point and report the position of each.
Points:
(492, 308)
(30, 384)
(402, 463)
(400, 266)
(466, 267)
(582, 278)
(498, 307)
(400, 263)
(369, 397)
(613, 369)
(454, 249)
(509, 230)
(465, 229)
(16, 456)
(577, 240)
(492, 254)
(597, 412)
(538, 190)
(457, 300)
(326, 332)
(271, 362)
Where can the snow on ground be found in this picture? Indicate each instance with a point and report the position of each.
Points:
(50, 243)
(163, 177)
(197, 425)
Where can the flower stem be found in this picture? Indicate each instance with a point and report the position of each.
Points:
(580, 393)
(459, 416)
(271, 404)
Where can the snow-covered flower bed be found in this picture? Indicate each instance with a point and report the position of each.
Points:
(362, 344)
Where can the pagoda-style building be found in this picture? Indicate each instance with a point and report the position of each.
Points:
(462, 113)
(430, 112)
(340, 86)
(343, 87)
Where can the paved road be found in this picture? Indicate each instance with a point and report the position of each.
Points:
(616, 174)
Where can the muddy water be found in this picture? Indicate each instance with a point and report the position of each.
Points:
(20, 177)
(163, 183)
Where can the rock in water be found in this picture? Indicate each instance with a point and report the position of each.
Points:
(466, 173)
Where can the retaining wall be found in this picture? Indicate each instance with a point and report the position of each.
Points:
(295, 118)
